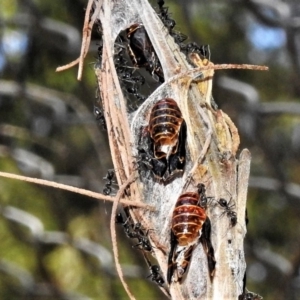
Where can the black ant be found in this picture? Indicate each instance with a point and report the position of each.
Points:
(110, 180)
(179, 38)
(249, 296)
(127, 75)
(246, 217)
(142, 237)
(202, 193)
(98, 112)
(164, 16)
(169, 23)
(202, 51)
(228, 211)
(155, 275)
(130, 78)
(134, 91)
(135, 231)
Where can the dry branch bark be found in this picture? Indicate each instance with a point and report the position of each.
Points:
(216, 166)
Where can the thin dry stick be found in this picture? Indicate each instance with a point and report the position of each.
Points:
(73, 189)
(234, 133)
(86, 39)
(114, 235)
(197, 71)
(199, 160)
(234, 66)
(68, 66)
(87, 34)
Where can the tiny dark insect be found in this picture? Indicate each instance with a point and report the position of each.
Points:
(109, 182)
(142, 52)
(229, 210)
(169, 23)
(134, 91)
(203, 201)
(165, 139)
(250, 296)
(165, 16)
(135, 231)
(247, 295)
(203, 51)
(189, 225)
(100, 117)
(155, 275)
(143, 241)
(130, 79)
(246, 217)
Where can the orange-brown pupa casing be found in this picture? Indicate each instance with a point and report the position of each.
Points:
(188, 219)
(164, 127)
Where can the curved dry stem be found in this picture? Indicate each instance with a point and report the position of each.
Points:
(86, 39)
(114, 235)
(76, 190)
(234, 133)
(198, 162)
(197, 71)
(87, 34)
(68, 66)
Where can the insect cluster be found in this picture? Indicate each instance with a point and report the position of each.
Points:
(162, 154)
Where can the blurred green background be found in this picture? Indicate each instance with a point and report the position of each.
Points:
(55, 244)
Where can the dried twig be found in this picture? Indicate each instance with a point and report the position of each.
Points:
(86, 38)
(73, 189)
(198, 162)
(113, 232)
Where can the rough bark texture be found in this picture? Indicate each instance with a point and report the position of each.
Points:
(212, 140)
